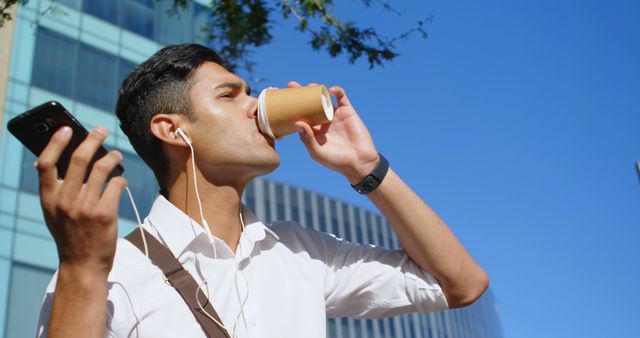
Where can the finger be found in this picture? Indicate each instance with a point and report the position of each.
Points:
(307, 137)
(341, 96)
(99, 173)
(312, 84)
(110, 199)
(81, 158)
(46, 163)
(293, 84)
(321, 129)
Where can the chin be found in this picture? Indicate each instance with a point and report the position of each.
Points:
(267, 164)
(273, 165)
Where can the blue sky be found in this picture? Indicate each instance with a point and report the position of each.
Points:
(518, 122)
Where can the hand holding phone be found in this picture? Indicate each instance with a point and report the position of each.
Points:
(73, 168)
(80, 213)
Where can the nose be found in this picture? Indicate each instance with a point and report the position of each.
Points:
(252, 109)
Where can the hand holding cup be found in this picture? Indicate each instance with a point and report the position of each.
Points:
(343, 145)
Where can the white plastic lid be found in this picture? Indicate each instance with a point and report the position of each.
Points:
(263, 121)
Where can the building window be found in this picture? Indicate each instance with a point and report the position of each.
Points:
(280, 207)
(385, 327)
(295, 208)
(54, 62)
(269, 207)
(105, 10)
(344, 324)
(250, 196)
(137, 16)
(370, 330)
(133, 15)
(392, 328)
(156, 20)
(370, 230)
(77, 70)
(308, 211)
(382, 229)
(142, 183)
(411, 326)
(28, 174)
(28, 285)
(71, 3)
(323, 223)
(348, 224)
(335, 209)
(96, 78)
(332, 327)
(358, 328)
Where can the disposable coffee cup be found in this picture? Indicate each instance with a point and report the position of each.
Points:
(280, 109)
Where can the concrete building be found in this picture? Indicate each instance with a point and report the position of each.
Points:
(77, 52)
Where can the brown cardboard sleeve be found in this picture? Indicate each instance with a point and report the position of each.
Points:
(286, 106)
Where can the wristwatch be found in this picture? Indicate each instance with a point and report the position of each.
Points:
(375, 177)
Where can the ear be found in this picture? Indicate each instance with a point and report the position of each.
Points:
(164, 127)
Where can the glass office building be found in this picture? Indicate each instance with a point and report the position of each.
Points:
(77, 52)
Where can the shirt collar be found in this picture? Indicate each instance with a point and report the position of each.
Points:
(177, 230)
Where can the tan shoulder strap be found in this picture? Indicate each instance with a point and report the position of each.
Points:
(181, 280)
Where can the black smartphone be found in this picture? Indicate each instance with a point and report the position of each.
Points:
(34, 128)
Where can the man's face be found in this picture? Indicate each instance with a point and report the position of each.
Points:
(227, 142)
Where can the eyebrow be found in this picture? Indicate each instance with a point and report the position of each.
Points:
(234, 85)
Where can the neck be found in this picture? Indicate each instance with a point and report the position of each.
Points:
(221, 205)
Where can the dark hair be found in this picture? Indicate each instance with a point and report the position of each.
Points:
(160, 85)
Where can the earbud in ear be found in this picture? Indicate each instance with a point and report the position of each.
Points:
(184, 137)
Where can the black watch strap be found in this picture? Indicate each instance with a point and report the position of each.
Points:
(373, 180)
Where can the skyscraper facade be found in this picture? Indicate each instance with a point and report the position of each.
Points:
(78, 52)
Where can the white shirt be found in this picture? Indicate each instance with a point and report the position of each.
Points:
(289, 279)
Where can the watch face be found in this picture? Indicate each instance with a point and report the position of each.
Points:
(373, 180)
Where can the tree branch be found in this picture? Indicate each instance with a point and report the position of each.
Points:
(236, 27)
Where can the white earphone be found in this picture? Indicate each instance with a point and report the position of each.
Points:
(186, 139)
(184, 136)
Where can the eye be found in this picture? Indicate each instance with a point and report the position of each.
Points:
(226, 95)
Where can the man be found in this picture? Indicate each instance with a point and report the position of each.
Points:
(276, 281)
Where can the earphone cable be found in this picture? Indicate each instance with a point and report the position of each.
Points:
(135, 210)
(212, 241)
(207, 229)
(195, 184)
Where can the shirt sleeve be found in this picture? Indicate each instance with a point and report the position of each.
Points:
(45, 314)
(47, 303)
(364, 281)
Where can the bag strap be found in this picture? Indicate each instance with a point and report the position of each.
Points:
(181, 280)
